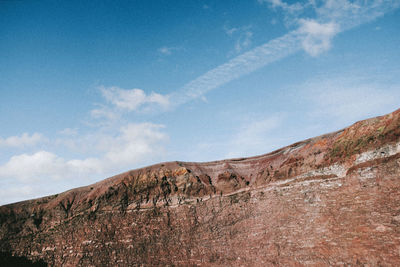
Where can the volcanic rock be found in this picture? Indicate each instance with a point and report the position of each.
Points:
(329, 200)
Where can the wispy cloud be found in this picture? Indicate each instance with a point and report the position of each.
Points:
(318, 36)
(242, 36)
(104, 112)
(230, 31)
(132, 99)
(296, 7)
(167, 50)
(132, 145)
(23, 140)
(121, 101)
(36, 166)
(313, 34)
(237, 67)
(291, 12)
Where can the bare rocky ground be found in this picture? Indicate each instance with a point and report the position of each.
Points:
(332, 200)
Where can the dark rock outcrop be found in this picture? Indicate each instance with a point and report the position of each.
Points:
(329, 200)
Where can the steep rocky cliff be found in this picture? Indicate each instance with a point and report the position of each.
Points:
(329, 200)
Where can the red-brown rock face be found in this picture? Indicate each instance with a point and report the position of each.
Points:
(330, 200)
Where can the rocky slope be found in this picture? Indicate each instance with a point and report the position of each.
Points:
(329, 200)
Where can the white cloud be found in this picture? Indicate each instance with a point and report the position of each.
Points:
(134, 144)
(121, 101)
(167, 50)
(350, 13)
(105, 112)
(283, 5)
(22, 141)
(33, 166)
(317, 37)
(290, 12)
(46, 165)
(132, 99)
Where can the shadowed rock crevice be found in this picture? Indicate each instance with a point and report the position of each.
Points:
(6, 259)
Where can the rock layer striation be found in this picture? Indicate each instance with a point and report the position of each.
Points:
(329, 200)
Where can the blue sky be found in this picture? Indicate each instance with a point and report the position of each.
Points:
(89, 89)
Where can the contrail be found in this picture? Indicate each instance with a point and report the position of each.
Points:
(346, 18)
(238, 66)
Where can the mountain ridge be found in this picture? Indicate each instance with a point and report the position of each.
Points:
(363, 151)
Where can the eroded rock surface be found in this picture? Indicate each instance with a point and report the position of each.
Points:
(329, 200)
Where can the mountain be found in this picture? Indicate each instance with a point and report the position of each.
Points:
(329, 200)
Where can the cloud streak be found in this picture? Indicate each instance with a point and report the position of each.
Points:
(314, 35)
(237, 67)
